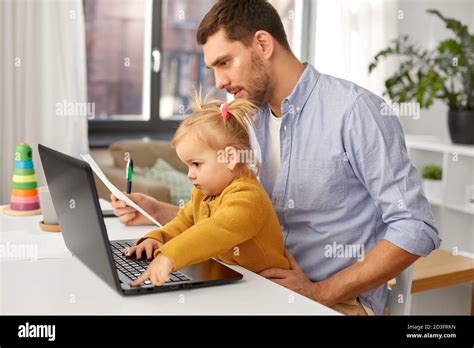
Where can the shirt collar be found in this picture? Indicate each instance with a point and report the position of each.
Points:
(297, 98)
(302, 90)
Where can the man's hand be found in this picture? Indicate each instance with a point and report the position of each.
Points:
(161, 211)
(128, 215)
(158, 271)
(293, 279)
(382, 263)
(149, 245)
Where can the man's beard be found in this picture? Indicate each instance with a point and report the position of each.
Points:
(259, 81)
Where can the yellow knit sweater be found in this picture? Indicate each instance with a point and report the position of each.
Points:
(239, 227)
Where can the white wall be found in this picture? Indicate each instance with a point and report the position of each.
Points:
(428, 30)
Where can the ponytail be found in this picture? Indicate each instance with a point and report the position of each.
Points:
(241, 110)
(221, 124)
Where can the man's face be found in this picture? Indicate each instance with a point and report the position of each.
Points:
(237, 68)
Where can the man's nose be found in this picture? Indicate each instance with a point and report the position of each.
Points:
(221, 80)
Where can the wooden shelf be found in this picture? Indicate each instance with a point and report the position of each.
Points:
(441, 269)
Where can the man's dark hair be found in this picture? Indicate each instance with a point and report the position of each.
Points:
(241, 19)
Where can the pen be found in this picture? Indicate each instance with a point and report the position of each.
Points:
(129, 175)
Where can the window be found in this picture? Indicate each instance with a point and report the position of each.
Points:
(183, 61)
(115, 46)
(143, 60)
(291, 14)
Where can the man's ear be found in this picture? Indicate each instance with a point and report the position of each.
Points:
(265, 44)
(231, 157)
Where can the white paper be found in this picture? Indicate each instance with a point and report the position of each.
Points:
(117, 193)
(105, 205)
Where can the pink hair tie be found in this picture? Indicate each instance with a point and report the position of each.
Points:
(224, 113)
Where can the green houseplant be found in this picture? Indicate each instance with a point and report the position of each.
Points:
(445, 73)
(432, 172)
(432, 175)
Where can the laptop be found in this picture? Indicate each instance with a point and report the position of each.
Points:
(74, 195)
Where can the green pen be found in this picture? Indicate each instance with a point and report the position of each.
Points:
(129, 175)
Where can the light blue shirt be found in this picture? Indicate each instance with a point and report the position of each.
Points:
(345, 181)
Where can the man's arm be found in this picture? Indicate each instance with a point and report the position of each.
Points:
(376, 150)
(381, 264)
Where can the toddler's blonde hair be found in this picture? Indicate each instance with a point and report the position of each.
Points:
(207, 124)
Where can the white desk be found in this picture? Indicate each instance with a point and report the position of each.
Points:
(66, 286)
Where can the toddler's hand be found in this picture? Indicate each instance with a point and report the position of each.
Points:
(158, 271)
(149, 245)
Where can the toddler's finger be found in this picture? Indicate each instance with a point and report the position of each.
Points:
(142, 278)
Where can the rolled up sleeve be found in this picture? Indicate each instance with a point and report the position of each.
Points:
(376, 150)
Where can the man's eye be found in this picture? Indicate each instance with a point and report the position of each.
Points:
(223, 64)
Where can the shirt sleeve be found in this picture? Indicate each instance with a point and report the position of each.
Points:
(179, 224)
(239, 218)
(375, 147)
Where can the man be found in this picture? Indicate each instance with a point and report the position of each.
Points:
(348, 199)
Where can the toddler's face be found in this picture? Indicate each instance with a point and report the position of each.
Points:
(205, 170)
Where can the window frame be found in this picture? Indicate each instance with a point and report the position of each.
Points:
(155, 125)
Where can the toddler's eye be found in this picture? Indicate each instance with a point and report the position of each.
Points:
(195, 164)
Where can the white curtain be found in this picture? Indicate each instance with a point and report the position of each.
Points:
(42, 69)
(348, 35)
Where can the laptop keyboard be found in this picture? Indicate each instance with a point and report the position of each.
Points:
(133, 268)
